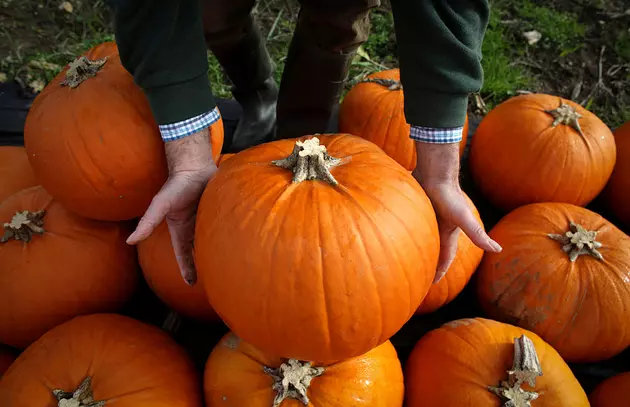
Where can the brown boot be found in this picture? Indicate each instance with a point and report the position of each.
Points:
(325, 41)
(240, 49)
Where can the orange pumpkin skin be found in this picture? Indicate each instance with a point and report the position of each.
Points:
(618, 188)
(338, 259)
(79, 266)
(580, 308)
(518, 157)
(612, 392)
(131, 364)
(466, 261)
(235, 374)
(376, 113)
(160, 269)
(6, 359)
(223, 158)
(15, 171)
(454, 365)
(96, 147)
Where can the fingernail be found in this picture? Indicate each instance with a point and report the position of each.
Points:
(439, 276)
(131, 237)
(497, 248)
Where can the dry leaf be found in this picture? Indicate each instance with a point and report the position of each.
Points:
(3, 77)
(43, 65)
(37, 85)
(66, 6)
(532, 37)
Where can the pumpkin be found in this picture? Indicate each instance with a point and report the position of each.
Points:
(160, 269)
(541, 148)
(93, 142)
(464, 264)
(479, 362)
(224, 157)
(6, 359)
(15, 171)
(55, 265)
(374, 109)
(237, 374)
(105, 359)
(618, 188)
(612, 392)
(316, 248)
(564, 273)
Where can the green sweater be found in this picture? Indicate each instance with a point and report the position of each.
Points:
(162, 45)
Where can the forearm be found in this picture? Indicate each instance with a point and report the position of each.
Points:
(162, 45)
(437, 164)
(439, 45)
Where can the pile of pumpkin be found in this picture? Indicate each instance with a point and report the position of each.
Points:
(314, 252)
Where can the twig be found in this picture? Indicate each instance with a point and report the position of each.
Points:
(275, 24)
(599, 85)
(480, 105)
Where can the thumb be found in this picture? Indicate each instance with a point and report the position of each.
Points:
(154, 215)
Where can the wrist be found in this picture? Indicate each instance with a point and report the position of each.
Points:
(437, 164)
(190, 153)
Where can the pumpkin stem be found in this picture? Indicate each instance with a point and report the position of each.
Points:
(525, 369)
(23, 225)
(390, 84)
(567, 115)
(81, 397)
(309, 160)
(81, 69)
(578, 241)
(292, 379)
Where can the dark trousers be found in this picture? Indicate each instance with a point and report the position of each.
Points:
(326, 37)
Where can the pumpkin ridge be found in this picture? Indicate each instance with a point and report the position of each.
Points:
(380, 115)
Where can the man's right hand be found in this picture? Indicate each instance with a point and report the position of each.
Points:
(190, 166)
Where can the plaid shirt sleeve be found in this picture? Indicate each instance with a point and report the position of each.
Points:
(436, 135)
(176, 131)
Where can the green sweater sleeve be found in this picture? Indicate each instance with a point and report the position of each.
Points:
(161, 43)
(439, 47)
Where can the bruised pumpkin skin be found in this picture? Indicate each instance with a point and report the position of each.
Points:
(460, 272)
(235, 375)
(131, 364)
(617, 191)
(519, 157)
(612, 392)
(96, 147)
(312, 270)
(78, 266)
(375, 111)
(454, 365)
(580, 308)
(160, 269)
(6, 359)
(15, 171)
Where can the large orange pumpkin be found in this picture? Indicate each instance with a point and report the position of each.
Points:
(618, 188)
(6, 359)
(541, 148)
(466, 261)
(315, 251)
(162, 273)
(465, 363)
(55, 265)
(223, 158)
(237, 374)
(119, 361)
(577, 300)
(612, 392)
(15, 171)
(374, 109)
(93, 142)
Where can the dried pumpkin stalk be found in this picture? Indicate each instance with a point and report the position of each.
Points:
(579, 241)
(292, 380)
(23, 226)
(310, 161)
(81, 397)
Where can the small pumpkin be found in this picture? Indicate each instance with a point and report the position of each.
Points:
(6, 359)
(564, 273)
(160, 269)
(101, 360)
(93, 142)
(541, 148)
(55, 265)
(224, 157)
(374, 109)
(460, 272)
(307, 247)
(15, 171)
(240, 375)
(612, 392)
(618, 188)
(480, 362)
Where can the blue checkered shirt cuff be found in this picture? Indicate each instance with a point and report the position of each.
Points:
(435, 135)
(175, 131)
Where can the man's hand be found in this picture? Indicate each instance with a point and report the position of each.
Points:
(437, 171)
(190, 167)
